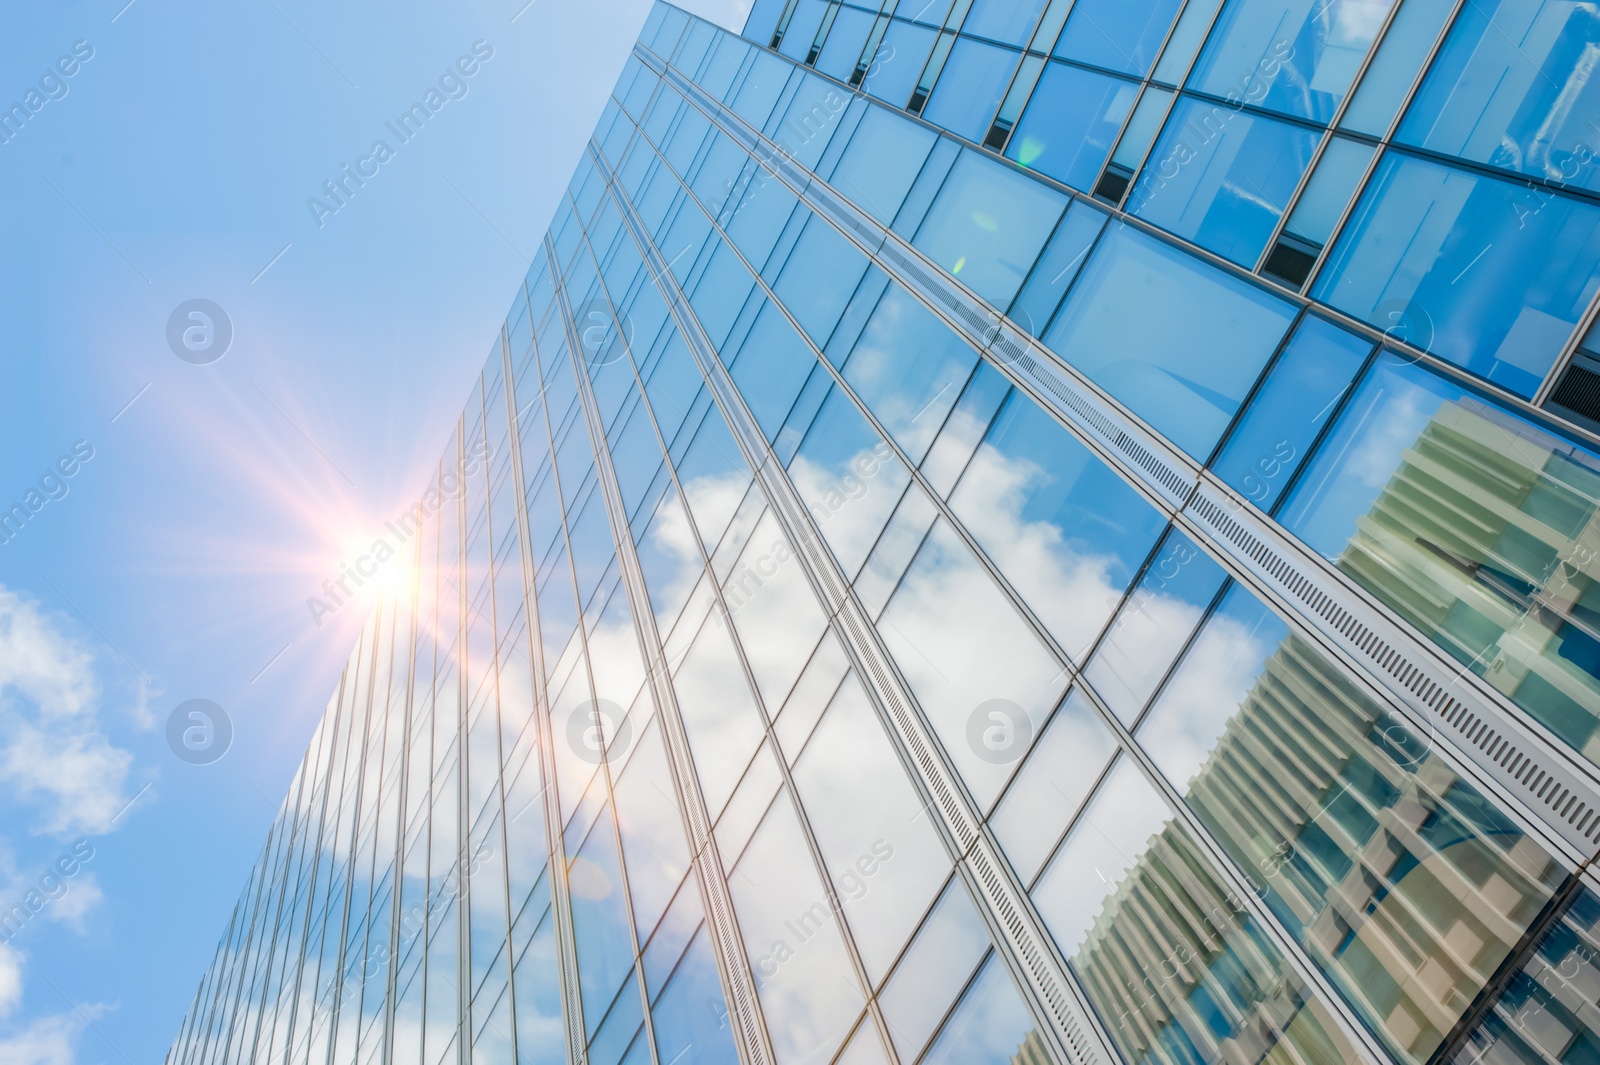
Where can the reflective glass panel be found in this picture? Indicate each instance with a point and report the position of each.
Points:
(1179, 342)
(1513, 87)
(1069, 124)
(1221, 177)
(1474, 526)
(1492, 275)
(1403, 883)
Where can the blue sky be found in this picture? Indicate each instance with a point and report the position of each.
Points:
(175, 163)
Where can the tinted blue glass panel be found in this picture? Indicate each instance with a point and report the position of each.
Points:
(1179, 342)
(1514, 87)
(802, 28)
(1489, 274)
(1222, 177)
(1064, 529)
(895, 68)
(845, 40)
(770, 368)
(908, 368)
(1007, 21)
(1294, 56)
(691, 1012)
(987, 225)
(810, 120)
(848, 477)
(763, 20)
(600, 921)
(883, 159)
(1069, 124)
(1058, 267)
(816, 282)
(1314, 372)
(1122, 35)
(970, 87)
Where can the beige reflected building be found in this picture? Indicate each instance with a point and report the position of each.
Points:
(1400, 881)
(1486, 538)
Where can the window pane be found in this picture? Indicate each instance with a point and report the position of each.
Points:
(1153, 625)
(948, 947)
(1007, 21)
(1512, 88)
(1066, 531)
(844, 43)
(987, 225)
(884, 158)
(691, 1012)
(848, 477)
(1499, 271)
(908, 368)
(1060, 771)
(1400, 880)
(1315, 370)
(719, 713)
(1222, 177)
(1177, 341)
(816, 282)
(1120, 35)
(886, 860)
(990, 1025)
(970, 87)
(1293, 56)
(1330, 188)
(1170, 957)
(1472, 525)
(1067, 129)
(898, 64)
(772, 364)
(803, 975)
(967, 655)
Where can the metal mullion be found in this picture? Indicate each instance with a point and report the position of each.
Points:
(379, 630)
(285, 882)
(381, 788)
(463, 800)
(215, 975)
(300, 955)
(497, 799)
(606, 478)
(273, 878)
(392, 963)
(577, 1031)
(234, 973)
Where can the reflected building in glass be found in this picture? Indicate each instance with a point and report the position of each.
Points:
(1033, 531)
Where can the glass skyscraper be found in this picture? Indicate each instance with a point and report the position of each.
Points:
(996, 531)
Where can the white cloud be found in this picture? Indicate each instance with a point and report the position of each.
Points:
(83, 895)
(46, 1041)
(54, 755)
(10, 979)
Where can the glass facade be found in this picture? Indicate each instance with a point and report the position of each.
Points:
(1006, 531)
